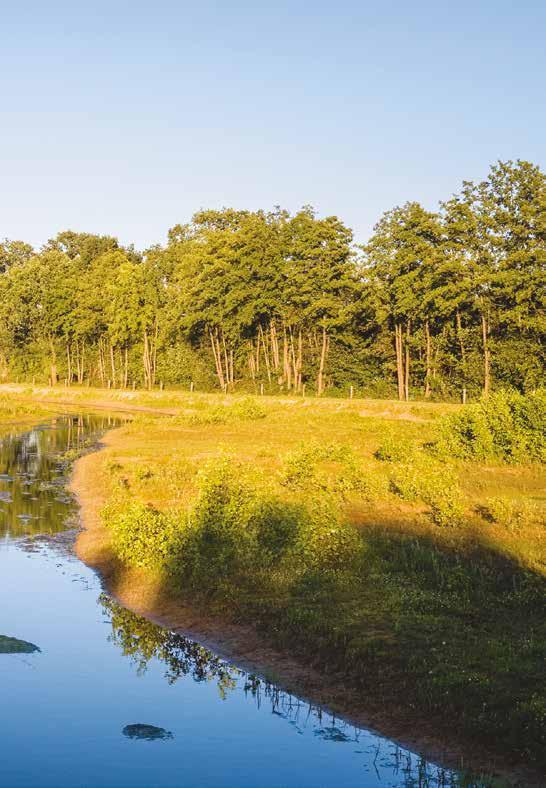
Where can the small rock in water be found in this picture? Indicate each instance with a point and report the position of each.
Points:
(14, 646)
(146, 732)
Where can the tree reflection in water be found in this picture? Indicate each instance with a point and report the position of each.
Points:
(142, 641)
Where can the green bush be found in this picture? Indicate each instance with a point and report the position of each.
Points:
(395, 449)
(433, 483)
(506, 426)
(142, 536)
(330, 468)
(246, 409)
(512, 514)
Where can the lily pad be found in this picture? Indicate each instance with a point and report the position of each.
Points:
(14, 646)
(146, 732)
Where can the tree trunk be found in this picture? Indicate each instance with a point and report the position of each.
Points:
(53, 363)
(486, 357)
(274, 347)
(428, 361)
(227, 376)
(299, 364)
(113, 365)
(146, 359)
(68, 364)
(286, 360)
(126, 368)
(217, 359)
(322, 363)
(407, 369)
(266, 352)
(251, 362)
(399, 359)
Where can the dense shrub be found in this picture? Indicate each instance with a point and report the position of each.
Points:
(142, 536)
(395, 448)
(432, 482)
(507, 426)
(330, 468)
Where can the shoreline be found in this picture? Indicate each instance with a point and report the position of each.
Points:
(137, 590)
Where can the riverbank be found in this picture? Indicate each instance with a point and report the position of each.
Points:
(143, 593)
(157, 462)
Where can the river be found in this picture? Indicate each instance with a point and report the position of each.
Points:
(93, 695)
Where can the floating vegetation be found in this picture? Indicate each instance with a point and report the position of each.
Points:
(145, 732)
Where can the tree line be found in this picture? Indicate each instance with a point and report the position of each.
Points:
(435, 301)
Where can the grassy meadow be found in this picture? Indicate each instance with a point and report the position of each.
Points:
(400, 546)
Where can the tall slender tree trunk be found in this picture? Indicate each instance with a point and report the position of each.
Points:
(261, 336)
(407, 363)
(217, 358)
(286, 360)
(53, 362)
(251, 362)
(126, 368)
(398, 341)
(154, 351)
(274, 346)
(299, 363)
(322, 363)
(113, 365)
(227, 376)
(68, 364)
(428, 359)
(102, 364)
(459, 327)
(486, 357)
(146, 359)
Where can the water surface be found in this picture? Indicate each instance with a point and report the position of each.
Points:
(106, 698)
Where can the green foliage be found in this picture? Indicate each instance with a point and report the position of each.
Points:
(432, 482)
(395, 448)
(246, 409)
(141, 535)
(331, 468)
(510, 513)
(507, 426)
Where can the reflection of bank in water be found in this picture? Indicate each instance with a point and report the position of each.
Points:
(143, 641)
(33, 472)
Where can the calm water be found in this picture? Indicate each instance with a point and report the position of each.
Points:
(112, 700)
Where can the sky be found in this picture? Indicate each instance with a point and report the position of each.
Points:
(125, 118)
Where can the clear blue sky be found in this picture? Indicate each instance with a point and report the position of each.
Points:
(126, 117)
